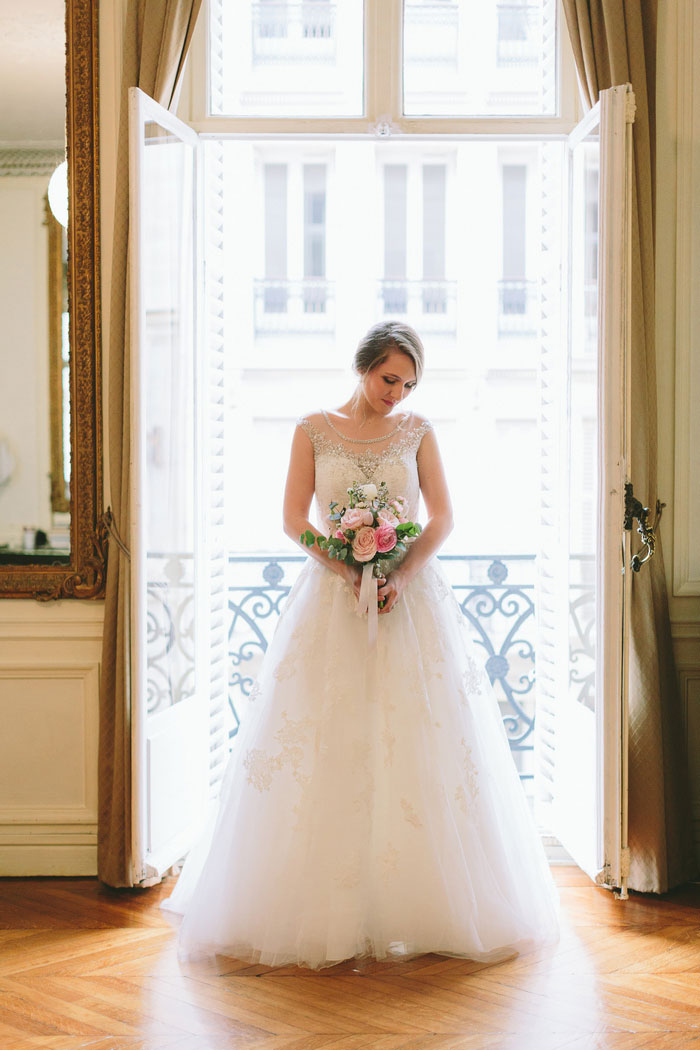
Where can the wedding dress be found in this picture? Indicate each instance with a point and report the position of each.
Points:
(371, 805)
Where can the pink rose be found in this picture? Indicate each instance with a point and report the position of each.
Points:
(385, 538)
(340, 535)
(387, 518)
(355, 517)
(364, 546)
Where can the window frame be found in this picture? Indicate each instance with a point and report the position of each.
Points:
(382, 92)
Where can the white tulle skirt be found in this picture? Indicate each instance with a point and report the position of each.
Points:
(370, 806)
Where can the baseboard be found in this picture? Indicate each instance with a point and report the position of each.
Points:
(48, 860)
(686, 644)
(58, 849)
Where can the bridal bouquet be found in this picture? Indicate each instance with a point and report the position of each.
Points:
(370, 528)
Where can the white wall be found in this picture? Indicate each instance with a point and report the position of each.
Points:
(49, 675)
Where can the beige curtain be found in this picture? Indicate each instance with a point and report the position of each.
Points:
(614, 42)
(157, 37)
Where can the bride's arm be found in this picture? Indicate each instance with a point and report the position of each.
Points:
(438, 505)
(298, 494)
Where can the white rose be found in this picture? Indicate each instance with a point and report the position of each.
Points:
(369, 492)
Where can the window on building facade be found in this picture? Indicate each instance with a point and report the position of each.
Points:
(514, 282)
(314, 294)
(274, 283)
(434, 218)
(395, 292)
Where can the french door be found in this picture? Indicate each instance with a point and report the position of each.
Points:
(178, 593)
(583, 588)
(178, 581)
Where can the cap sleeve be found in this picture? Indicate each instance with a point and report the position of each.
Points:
(312, 432)
(420, 431)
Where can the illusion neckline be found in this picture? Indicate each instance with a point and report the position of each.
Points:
(366, 441)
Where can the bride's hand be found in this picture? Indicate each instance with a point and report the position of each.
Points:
(389, 589)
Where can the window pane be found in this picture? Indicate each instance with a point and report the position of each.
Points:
(488, 59)
(394, 283)
(392, 231)
(407, 231)
(286, 58)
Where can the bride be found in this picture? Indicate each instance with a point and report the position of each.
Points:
(370, 806)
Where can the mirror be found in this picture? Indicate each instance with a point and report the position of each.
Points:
(52, 533)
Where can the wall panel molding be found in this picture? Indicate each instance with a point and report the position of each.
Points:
(49, 691)
(686, 646)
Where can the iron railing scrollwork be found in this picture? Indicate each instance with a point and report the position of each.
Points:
(499, 612)
(496, 596)
(169, 630)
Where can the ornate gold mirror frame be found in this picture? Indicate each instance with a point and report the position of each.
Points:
(83, 576)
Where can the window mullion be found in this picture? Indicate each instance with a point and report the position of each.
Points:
(383, 48)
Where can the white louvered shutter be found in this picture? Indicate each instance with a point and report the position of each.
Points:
(178, 577)
(214, 394)
(551, 593)
(581, 654)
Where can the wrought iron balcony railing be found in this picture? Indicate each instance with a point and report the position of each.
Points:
(519, 40)
(431, 33)
(430, 304)
(517, 308)
(499, 612)
(287, 307)
(293, 31)
(496, 595)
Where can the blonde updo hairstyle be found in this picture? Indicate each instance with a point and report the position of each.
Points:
(379, 342)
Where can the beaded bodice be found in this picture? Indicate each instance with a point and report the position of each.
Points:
(338, 464)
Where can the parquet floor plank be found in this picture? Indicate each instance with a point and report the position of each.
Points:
(78, 951)
(283, 1009)
(615, 1000)
(247, 1006)
(639, 910)
(83, 967)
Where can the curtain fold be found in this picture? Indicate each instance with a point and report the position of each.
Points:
(157, 37)
(614, 42)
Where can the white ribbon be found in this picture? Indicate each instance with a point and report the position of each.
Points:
(368, 602)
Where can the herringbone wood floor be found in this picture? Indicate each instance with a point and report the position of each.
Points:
(85, 966)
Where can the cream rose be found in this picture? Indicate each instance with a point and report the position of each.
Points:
(364, 546)
(369, 492)
(386, 517)
(356, 517)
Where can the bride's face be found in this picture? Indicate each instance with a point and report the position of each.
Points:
(386, 385)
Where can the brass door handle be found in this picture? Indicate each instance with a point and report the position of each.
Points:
(646, 529)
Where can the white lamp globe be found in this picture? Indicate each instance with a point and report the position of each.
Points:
(58, 193)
